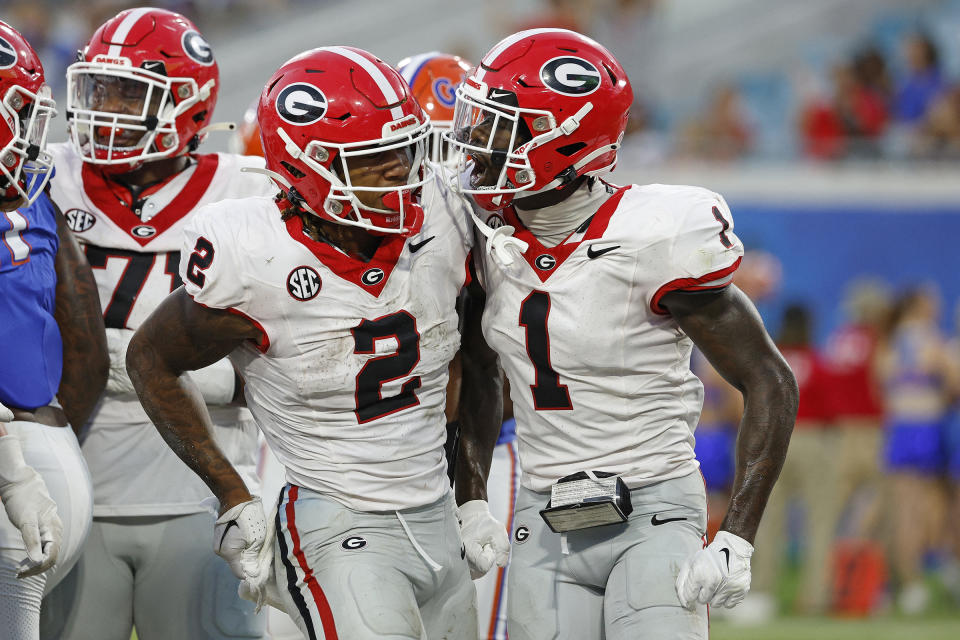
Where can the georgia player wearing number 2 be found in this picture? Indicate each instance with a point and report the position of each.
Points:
(594, 304)
(337, 304)
(139, 102)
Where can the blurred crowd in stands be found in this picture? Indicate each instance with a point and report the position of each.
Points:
(869, 496)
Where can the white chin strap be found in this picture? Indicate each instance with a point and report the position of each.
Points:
(502, 247)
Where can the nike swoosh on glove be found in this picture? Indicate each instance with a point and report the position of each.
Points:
(30, 508)
(485, 540)
(238, 538)
(718, 575)
(263, 588)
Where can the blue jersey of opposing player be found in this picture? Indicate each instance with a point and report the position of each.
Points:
(31, 351)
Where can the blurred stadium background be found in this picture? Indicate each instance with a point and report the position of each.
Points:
(832, 127)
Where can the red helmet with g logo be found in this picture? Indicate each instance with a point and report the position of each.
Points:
(333, 109)
(25, 111)
(144, 88)
(544, 107)
(433, 78)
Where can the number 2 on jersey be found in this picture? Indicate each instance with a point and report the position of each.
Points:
(371, 404)
(548, 393)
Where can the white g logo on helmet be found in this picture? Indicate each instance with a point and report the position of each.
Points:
(570, 76)
(8, 54)
(301, 103)
(197, 48)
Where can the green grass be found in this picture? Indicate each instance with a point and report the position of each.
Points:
(832, 629)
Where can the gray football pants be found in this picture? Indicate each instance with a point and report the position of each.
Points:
(355, 575)
(616, 581)
(158, 573)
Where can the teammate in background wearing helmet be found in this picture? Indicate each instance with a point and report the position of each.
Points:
(130, 179)
(336, 303)
(53, 355)
(594, 304)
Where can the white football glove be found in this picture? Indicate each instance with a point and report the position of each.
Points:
(485, 539)
(718, 575)
(5, 414)
(263, 588)
(238, 538)
(30, 508)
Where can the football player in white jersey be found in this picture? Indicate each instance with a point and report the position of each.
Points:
(53, 355)
(594, 304)
(139, 102)
(336, 303)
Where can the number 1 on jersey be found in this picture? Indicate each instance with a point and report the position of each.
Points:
(548, 393)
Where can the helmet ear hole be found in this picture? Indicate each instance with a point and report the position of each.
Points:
(296, 173)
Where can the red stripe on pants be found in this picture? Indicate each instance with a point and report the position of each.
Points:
(323, 607)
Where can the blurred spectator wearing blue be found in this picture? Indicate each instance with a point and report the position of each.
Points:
(923, 82)
(917, 375)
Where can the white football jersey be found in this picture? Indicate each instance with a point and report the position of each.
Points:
(135, 261)
(599, 372)
(348, 378)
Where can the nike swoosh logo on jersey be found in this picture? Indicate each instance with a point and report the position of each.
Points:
(232, 523)
(416, 246)
(656, 522)
(593, 255)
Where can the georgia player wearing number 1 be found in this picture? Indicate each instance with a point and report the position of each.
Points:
(594, 304)
(138, 104)
(53, 355)
(337, 304)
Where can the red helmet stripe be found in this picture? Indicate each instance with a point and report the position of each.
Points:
(505, 44)
(389, 94)
(123, 29)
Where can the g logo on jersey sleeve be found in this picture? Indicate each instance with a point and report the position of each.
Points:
(8, 54)
(303, 283)
(197, 48)
(570, 76)
(301, 103)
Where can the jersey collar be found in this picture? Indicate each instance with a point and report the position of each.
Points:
(101, 192)
(545, 261)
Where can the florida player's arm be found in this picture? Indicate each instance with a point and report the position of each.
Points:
(182, 335)
(728, 330)
(481, 402)
(86, 362)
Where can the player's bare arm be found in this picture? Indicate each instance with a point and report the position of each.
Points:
(181, 335)
(729, 331)
(481, 403)
(86, 363)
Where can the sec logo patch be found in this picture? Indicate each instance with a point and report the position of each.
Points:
(79, 220)
(303, 283)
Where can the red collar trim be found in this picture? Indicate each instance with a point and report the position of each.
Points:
(351, 269)
(100, 191)
(559, 253)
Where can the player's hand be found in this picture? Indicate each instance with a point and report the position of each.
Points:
(263, 588)
(117, 342)
(718, 575)
(30, 508)
(238, 538)
(5, 414)
(485, 540)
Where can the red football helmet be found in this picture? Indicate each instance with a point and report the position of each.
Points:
(144, 88)
(544, 107)
(331, 109)
(433, 78)
(25, 111)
